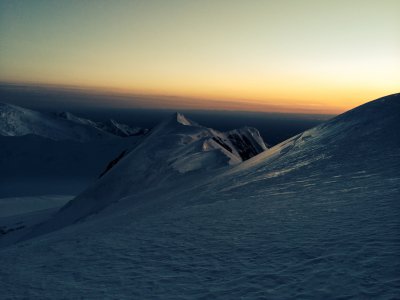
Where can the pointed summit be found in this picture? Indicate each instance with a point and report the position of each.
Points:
(175, 123)
(180, 118)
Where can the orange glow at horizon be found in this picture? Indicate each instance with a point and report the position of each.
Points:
(289, 56)
(212, 101)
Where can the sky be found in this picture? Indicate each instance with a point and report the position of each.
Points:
(305, 55)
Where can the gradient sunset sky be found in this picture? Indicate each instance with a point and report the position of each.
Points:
(324, 56)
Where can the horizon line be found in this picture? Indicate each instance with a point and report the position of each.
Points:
(170, 101)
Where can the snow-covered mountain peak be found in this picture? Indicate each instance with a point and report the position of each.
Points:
(120, 129)
(175, 153)
(181, 119)
(176, 123)
(13, 111)
(18, 121)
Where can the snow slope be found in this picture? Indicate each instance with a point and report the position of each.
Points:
(315, 217)
(33, 165)
(19, 213)
(21, 205)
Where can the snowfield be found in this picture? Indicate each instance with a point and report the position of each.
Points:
(21, 205)
(315, 217)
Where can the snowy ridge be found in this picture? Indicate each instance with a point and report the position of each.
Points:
(110, 126)
(176, 150)
(119, 129)
(18, 121)
(71, 117)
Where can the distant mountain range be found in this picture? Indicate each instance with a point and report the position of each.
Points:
(18, 121)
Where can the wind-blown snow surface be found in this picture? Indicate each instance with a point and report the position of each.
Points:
(317, 217)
